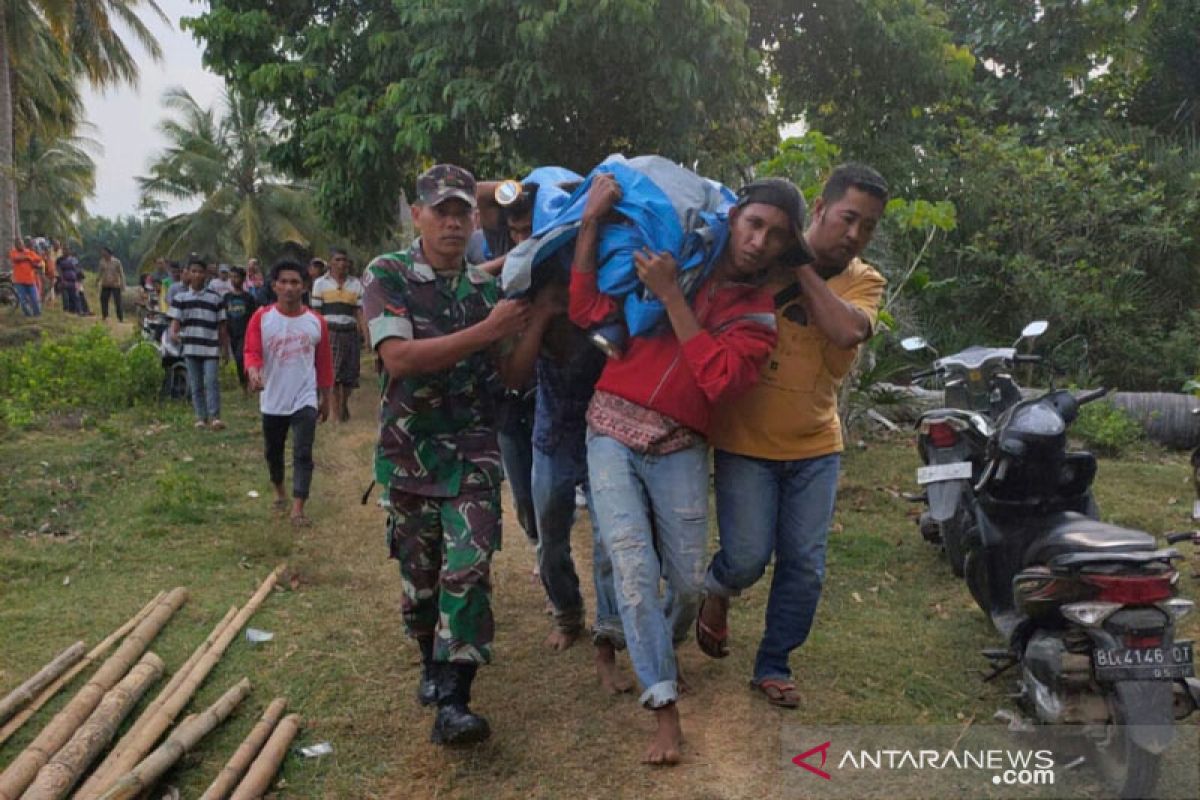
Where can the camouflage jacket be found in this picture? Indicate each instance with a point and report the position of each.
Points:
(437, 431)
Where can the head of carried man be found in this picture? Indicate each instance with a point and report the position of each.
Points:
(844, 216)
(443, 214)
(766, 227)
(518, 215)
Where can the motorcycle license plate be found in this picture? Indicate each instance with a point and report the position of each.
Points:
(935, 473)
(1144, 663)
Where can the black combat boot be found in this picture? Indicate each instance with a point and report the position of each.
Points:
(427, 688)
(455, 724)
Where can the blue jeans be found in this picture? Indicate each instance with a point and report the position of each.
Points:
(780, 507)
(27, 298)
(555, 476)
(515, 435)
(205, 388)
(652, 514)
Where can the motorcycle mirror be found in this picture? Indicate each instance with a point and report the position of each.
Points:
(913, 343)
(1035, 329)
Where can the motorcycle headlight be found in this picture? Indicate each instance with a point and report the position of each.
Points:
(1089, 615)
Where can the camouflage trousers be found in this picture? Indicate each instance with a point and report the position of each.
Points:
(445, 546)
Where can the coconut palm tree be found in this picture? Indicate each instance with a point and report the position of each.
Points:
(246, 209)
(54, 179)
(90, 47)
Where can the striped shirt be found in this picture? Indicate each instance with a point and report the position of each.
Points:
(337, 304)
(200, 315)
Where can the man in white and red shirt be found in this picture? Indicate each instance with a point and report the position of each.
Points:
(288, 359)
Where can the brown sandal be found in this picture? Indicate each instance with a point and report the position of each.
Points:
(778, 692)
(713, 643)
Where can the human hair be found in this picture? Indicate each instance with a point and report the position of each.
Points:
(854, 176)
(287, 265)
(197, 261)
(334, 252)
(522, 206)
(239, 271)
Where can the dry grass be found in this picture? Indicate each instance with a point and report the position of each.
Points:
(140, 507)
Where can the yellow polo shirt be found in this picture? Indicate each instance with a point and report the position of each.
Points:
(791, 413)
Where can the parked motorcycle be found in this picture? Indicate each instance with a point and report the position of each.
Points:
(1087, 609)
(979, 386)
(156, 329)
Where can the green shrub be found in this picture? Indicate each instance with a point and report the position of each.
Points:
(86, 371)
(1106, 429)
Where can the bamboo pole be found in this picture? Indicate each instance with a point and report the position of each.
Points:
(14, 724)
(154, 725)
(104, 774)
(27, 691)
(63, 771)
(26, 765)
(183, 739)
(262, 772)
(232, 772)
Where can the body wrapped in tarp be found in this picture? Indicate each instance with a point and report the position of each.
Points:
(664, 207)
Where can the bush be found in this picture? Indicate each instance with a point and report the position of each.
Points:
(83, 371)
(1106, 429)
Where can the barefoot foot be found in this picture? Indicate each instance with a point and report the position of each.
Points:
(668, 739)
(612, 680)
(560, 640)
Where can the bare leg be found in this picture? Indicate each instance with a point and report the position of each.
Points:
(281, 498)
(612, 680)
(297, 515)
(668, 739)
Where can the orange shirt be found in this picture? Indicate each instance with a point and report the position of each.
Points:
(24, 264)
(791, 413)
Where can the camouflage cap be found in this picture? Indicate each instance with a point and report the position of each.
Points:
(443, 182)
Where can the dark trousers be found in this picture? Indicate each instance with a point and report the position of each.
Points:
(115, 293)
(303, 424)
(238, 345)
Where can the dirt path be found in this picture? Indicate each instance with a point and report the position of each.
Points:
(555, 733)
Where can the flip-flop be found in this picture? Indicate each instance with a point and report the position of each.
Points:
(778, 692)
(713, 643)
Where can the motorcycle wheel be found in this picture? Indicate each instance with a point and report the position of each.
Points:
(976, 577)
(953, 534)
(177, 382)
(1129, 769)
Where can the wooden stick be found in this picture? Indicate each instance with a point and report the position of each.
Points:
(21, 771)
(14, 724)
(152, 725)
(262, 771)
(27, 691)
(232, 772)
(105, 774)
(185, 737)
(60, 773)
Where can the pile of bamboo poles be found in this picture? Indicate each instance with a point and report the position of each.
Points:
(63, 753)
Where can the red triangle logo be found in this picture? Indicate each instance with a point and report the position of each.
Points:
(802, 760)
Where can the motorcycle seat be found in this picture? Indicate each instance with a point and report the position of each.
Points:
(1070, 532)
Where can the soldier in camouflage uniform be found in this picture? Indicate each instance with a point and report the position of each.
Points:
(436, 325)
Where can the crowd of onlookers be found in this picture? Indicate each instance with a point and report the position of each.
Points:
(43, 268)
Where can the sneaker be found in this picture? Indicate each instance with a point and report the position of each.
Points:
(217, 425)
(199, 424)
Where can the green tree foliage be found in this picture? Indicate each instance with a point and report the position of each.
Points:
(372, 92)
(245, 208)
(46, 47)
(54, 180)
(124, 235)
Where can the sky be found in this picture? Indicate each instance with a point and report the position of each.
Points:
(126, 119)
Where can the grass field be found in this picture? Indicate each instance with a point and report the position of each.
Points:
(94, 521)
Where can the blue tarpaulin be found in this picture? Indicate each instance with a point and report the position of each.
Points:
(666, 208)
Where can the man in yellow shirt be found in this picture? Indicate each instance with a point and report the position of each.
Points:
(777, 447)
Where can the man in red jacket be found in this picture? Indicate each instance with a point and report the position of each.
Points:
(647, 422)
